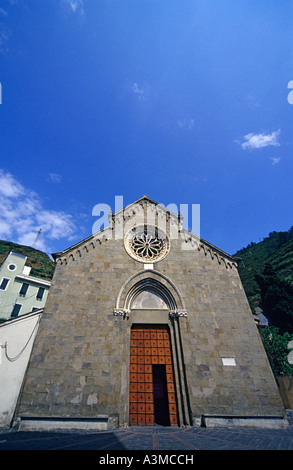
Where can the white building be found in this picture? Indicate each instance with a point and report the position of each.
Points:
(20, 293)
(17, 337)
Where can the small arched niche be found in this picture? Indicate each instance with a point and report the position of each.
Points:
(149, 299)
(150, 294)
(149, 291)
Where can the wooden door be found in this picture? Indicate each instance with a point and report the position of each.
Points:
(152, 388)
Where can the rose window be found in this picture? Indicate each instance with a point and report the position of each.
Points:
(147, 244)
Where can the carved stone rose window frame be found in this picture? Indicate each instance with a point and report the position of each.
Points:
(147, 244)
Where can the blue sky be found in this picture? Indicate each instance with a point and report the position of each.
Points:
(183, 100)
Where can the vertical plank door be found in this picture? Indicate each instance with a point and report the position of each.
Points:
(152, 397)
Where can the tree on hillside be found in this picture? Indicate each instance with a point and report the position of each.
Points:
(276, 299)
(277, 347)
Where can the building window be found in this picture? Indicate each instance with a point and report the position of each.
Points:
(40, 293)
(16, 310)
(147, 243)
(24, 289)
(4, 283)
(12, 267)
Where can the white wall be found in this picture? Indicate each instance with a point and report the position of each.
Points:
(16, 341)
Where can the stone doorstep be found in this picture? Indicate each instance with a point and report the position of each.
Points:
(263, 422)
(101, 422)
(49, 423)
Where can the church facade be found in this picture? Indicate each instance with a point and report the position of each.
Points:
(147, 324)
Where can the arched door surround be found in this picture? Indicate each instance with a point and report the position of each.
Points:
(151, 303)
(154, 282)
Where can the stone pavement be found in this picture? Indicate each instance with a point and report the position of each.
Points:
(154, 438)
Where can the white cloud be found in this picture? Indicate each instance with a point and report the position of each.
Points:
(186, 123)
(23, 214)
(257, 141)
(136, 89)
(54, 178)
(4, 39)
(4, 229)
(5, 32)
(142, 91)
(75, 6)
(275, 160)
(9, 187)
(3, 12)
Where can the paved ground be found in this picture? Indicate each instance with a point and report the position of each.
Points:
(155, 438)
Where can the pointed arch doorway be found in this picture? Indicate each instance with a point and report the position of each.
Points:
(152, 397)
(151, 303)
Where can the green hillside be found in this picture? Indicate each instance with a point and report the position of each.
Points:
(276, 249)
(41, 264)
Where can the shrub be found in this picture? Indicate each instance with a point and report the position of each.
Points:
(276, 346)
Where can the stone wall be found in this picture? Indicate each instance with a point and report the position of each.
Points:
(285, 384)
(16, 340)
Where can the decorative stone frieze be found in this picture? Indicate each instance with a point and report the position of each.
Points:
(121, 312)
(177, 313)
